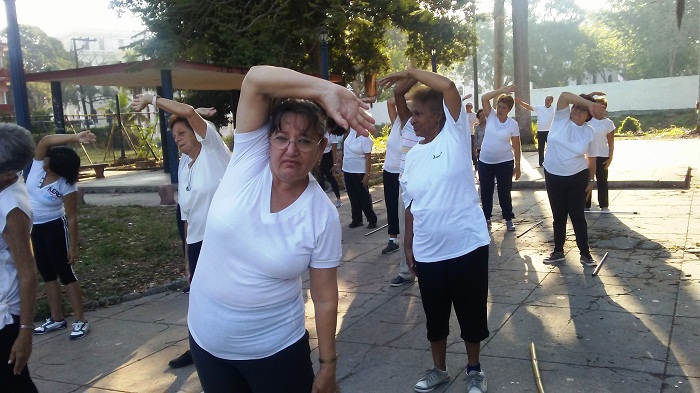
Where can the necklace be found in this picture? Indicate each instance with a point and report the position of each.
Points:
(189, 179)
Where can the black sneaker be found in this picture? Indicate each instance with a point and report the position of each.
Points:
(355, 224)
(554, 257)
(186, 289)
(182, 361)
(50, 325)
(390, 248)
(399, 281)
(372, 225)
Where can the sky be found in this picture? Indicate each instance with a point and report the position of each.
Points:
(57, 16)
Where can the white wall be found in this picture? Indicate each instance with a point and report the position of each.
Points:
(640, 95)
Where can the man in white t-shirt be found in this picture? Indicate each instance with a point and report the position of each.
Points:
(473, 120)
(545, 117)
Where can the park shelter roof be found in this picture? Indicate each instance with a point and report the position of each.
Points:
(185, 75)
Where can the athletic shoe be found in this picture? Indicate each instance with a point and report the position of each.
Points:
(182, 361)
(390, 248)
(80, 329)
(587, 260)
(488, 224)
(476, 382)
(399, 281)
(355, 224)
(431, 380)
(338, 203)
(510, 226)
(186, 289)
(604, 209)
(554, 257)
(372, 225)
(50, 325)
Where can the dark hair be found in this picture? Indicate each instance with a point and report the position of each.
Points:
(174, 119)
(64, 162)
(433, 99)
(333, 127)
(480, 111)
(589, 97)
(309, 110)
(506, 99)
(16, 149)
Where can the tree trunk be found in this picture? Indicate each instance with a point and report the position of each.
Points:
(499, 37)
(521, 60)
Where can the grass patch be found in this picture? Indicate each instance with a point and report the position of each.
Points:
(124, 249)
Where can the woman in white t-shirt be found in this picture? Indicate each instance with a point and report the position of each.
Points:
(17, 266)
(202, 165)
(446, 240)
(569, 166)
(604, 130)
(54, 199)
(357, 164)
(270, 223)
(328, 165)
(499, 158)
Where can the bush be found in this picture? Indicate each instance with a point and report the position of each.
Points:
(630, 125)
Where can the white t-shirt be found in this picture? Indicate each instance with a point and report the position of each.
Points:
(545, 117)
(438, 184)
(472, 120)
(246, 298)
(355, 147)
(392, 159)
(568, 145)
(602, 128)
(496, 147)
(197, 183)
(408, 140)
(46, 201)
(12, 197)
(332, 139)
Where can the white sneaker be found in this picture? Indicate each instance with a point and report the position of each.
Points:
(431, 380)
(80, 329)
(476, 382)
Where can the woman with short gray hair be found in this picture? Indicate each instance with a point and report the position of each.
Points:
(17, 267)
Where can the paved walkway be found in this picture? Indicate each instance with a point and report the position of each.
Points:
(632, 328)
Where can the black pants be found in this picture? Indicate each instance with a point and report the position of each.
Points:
(9, 382)
(601, 176)
(360, 200)
(289, 370)
(567, 195)
(50, 243)
(391, 200)
(327, 173)
(180, 227)
(193, 251)
(503, 173)
(541, 142)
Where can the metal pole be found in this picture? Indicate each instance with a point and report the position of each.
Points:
(121, 129)
(57, 103)
(476, 82)
(433, 60)
(166, 80)
(19, 86)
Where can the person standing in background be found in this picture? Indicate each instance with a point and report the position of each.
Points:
(604, 130)
(545, 117)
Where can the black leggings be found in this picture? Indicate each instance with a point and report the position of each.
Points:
(327, 173)
(567, 195)
(391, 200)
(289, 370)
(50, 245)
(601, 176)
(360, 200)
(541, 143)
(9, 382)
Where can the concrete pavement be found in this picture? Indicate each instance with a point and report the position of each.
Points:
(632, 328)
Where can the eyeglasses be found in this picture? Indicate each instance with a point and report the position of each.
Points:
(305, 145)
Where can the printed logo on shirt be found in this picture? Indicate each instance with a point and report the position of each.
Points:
(437, 156)
(53, 194)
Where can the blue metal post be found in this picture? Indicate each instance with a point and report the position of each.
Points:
(166, 80)
(324, 59)
(57, 103)
(19, 86)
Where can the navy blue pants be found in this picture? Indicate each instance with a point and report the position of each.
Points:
(503, 173)
(567, 195)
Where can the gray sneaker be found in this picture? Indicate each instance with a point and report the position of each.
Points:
(50, 325)
(587, 260)
(510, 226)
(476, 382)
(399, 281)
(431, 380)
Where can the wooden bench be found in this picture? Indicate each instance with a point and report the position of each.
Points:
(98, 168)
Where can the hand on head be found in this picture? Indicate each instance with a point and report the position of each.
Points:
(598, 110)
(392, 79)
(206, 112)
(509, 89)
